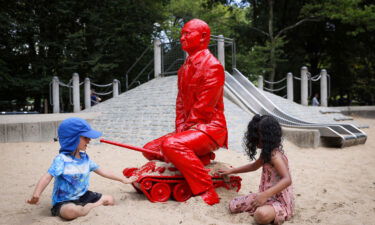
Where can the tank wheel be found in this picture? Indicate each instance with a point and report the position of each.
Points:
(181, 192)
(160, 192)
(146, 184)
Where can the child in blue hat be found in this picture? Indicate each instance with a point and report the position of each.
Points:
(71, 170)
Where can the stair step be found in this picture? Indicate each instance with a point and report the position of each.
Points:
(343, 118)
(363, 126)
(325, 111)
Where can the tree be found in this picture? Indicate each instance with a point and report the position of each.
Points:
(351, 24)
(220, 17)
(41, 39)
(276, 39)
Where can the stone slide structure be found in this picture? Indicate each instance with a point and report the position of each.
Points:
(148, 111)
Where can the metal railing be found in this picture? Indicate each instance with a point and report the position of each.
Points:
(173, 57)
(136, 78)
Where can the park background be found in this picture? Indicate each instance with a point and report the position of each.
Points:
(102, 40)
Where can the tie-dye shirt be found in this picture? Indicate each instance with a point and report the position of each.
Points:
(71, 176)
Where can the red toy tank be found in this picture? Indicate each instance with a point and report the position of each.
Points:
(160, 180)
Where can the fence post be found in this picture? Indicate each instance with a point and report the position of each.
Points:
(87, 93)
(323, 88)
(55, 95)
(221, 50)
(76, 96)
(157, 58)
(260, 82)
(304, 86)
(289, 83)
(115, 88)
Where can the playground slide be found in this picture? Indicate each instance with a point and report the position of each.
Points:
(251, 99)
(360, 135)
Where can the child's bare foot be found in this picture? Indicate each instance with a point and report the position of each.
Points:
(106, 202)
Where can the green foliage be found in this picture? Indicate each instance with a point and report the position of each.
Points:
(102, 39)
(220, 17)
(358, 13)
(349, 33)
(97, 39)
(257, 60)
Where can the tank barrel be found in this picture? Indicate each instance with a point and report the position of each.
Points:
(131, 147)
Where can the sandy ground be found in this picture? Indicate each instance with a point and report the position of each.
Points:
(332, 186)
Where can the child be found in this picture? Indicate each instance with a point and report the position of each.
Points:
(315, 101)
(274, 202)
(94, 98)
(71, 170)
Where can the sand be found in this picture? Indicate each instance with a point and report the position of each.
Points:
(332, 186)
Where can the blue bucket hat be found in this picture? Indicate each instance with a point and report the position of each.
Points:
(69, 133)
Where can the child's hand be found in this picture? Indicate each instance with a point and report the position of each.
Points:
(129, 180)
(34, 200)
(223, 172)
(259, 200)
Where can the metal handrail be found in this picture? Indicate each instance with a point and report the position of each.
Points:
(140, 73)
(220, 37)
(228, 41)
(172, 64)
(134, 64)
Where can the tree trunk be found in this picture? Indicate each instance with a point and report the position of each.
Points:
(37, 103)
(45, 106)
(272, 63)
(272, 43)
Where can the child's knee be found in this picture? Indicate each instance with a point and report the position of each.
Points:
(262, 216)
(108, 200)
(233, 207)
(69, 212)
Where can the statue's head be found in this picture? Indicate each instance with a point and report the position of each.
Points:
(195, 36)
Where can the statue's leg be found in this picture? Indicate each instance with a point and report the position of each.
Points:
(183, 150)
(155, 145)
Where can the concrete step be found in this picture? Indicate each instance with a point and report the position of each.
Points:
(35, 127)
(325, 111)
(343, 118)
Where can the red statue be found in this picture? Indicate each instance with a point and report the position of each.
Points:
(200, 121)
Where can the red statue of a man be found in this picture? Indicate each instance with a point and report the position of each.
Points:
(200, 121)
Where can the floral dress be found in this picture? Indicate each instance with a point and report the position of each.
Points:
(283, 202)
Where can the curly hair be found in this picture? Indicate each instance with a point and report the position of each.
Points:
(263, 132)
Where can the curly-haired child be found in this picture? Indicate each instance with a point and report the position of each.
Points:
(275, 201)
